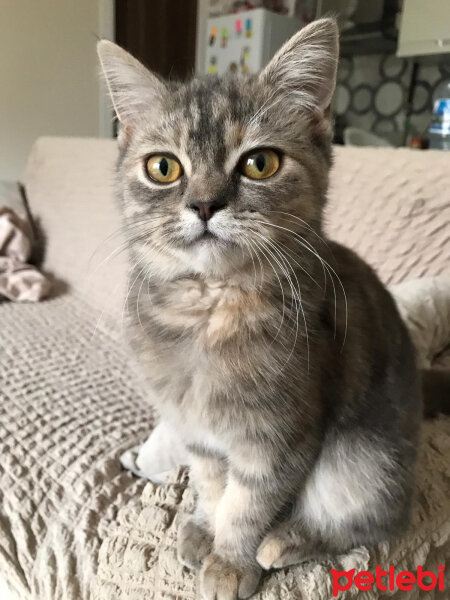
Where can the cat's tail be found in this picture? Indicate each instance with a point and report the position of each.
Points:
(436, 392)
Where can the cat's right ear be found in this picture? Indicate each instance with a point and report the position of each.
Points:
(133, 88)
(303, 71)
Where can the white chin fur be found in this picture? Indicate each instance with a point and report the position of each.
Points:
(211, 257)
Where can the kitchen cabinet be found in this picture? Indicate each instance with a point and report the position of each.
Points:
(424, 28)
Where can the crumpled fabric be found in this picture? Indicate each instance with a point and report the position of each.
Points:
(19, 281)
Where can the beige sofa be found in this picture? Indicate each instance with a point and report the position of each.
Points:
(70, 405)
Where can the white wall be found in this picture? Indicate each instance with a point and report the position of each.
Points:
(49, 77)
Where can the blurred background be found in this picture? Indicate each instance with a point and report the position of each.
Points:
(394, 67)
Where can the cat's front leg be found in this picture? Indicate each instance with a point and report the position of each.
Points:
(253, 496)
(208, 474)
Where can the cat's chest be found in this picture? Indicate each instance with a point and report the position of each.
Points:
(197, 337)
(192, 390)
(209, 313)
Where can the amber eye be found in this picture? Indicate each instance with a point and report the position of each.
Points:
(261, 164)
(163, 169)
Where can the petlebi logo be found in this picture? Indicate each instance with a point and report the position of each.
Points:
(388, 580)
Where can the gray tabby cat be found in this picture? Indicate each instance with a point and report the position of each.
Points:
(277, 355)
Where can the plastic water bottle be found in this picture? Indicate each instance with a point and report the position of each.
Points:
(440, 122)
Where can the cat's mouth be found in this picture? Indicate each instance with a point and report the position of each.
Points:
(207, 235)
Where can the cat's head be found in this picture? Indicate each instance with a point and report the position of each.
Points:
(214, 170)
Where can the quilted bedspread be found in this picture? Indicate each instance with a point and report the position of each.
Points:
(68, 407)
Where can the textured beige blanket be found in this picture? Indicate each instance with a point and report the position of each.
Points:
(18, 280)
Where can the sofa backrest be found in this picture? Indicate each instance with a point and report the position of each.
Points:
(391, 205)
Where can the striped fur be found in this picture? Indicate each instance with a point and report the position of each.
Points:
(277, 355)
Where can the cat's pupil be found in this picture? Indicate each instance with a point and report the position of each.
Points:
(164, 167)
(260, 162)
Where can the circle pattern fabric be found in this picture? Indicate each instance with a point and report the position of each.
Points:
(422, 98)
(342, 99)
(362, 99)
(392, 67)
(389, 99)
(372, 93)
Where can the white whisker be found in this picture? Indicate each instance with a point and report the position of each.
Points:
(308, 246)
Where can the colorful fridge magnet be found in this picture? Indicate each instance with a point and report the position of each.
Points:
(224, 37)
(248, 28)
(212, 65)
(238, 27)
(212, 36)
(245, 55)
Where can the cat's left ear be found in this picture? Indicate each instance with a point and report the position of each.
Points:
(133, 88)
(304, 69)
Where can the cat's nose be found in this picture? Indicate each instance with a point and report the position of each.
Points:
(205, 210)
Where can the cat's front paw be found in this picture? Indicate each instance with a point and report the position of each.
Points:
(283, 547)
(194, 543)
(220, 579)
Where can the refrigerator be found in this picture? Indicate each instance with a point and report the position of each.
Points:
(244, 42)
